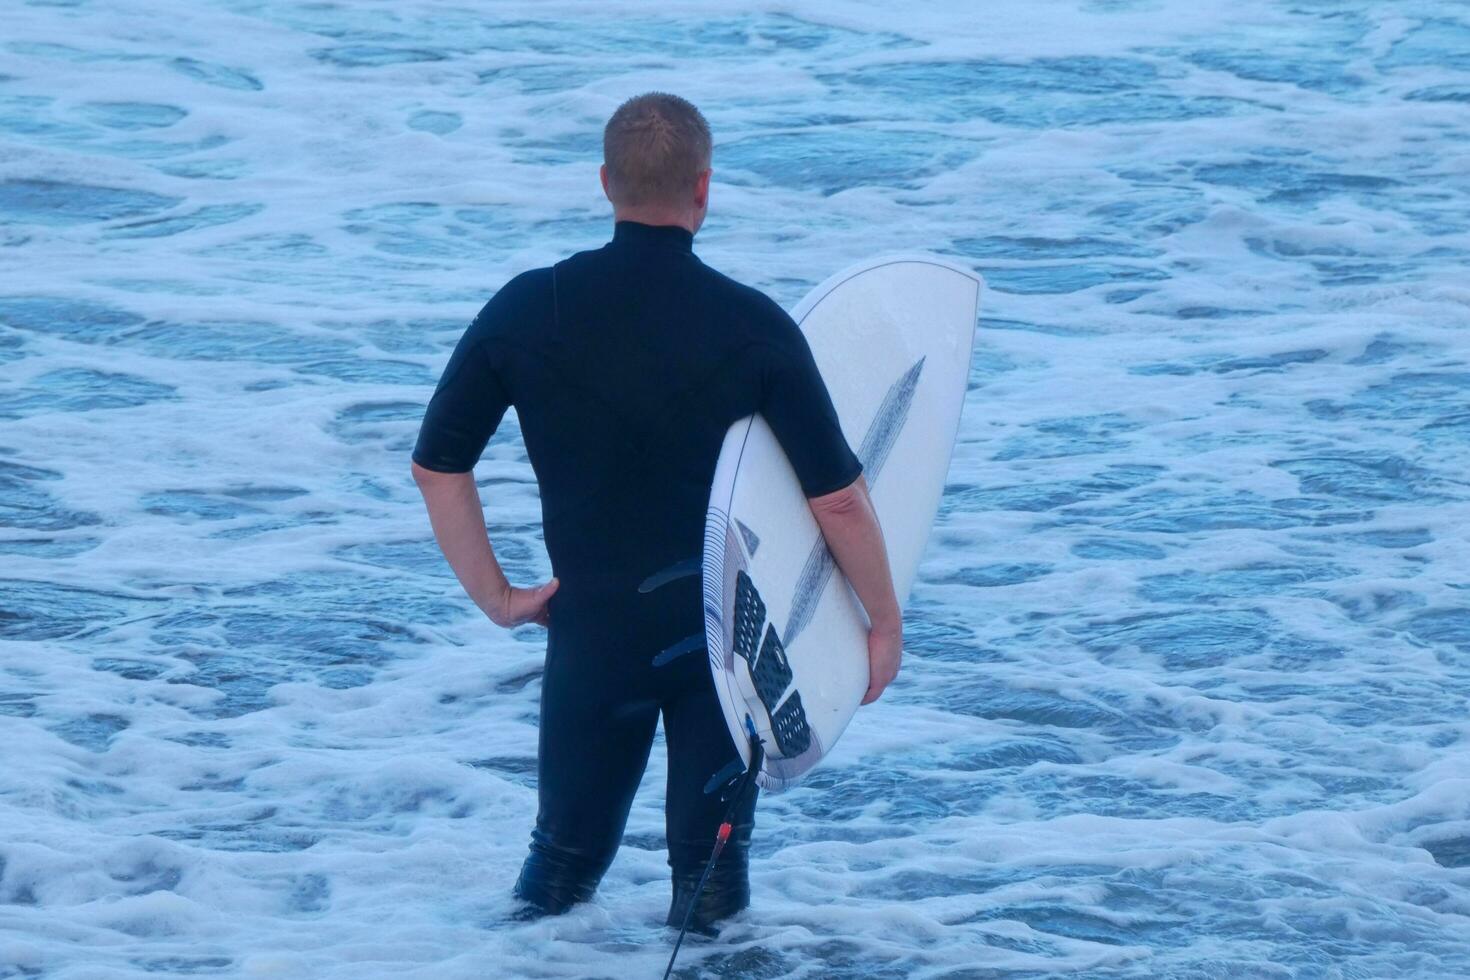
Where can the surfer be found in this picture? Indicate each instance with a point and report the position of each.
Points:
(626, 364)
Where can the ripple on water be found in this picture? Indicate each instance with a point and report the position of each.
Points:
(423, 229)
(866, 803)
(17, 704)
(1440, 42)
(133, 670)
(374, 55)
(65, 52)
(370, 370)
(933, 635)
(68, 547)
(1069, 436)
(307, 352)
(413, 336)
(210, 73)
(206, 217)
(12, 346)
(24, 505)
(37, 610)
(379, 422)
(1240, 582)
(539, 79)
(1169, 512)
(1031, 247)
(1183, 640)
(518, 769)
(82, 390)
(1014, 753)
(993, 576)
(1117, 549)
(1428, 395)
(1450, 852)
(1336, 263)
(1048, 495)
(197, 504)
(1050, 329)
(1318, 69)
(334, 629)
(1390, 538)
(821, 158)
(438, 123)
(131, 115)
(213, 340)
(1037, 92)
(1279, 182)
(269, 246)
(1057, 279)
(1385, 347)
(1446, 629)
(187, 965)
(1226, 363)
(1292, 652)
(93, 732)
(1440, 93)
(1365, 476)
(81, 320)
(34, 116)
(309, 893)
(420, 556)
(1452, 432)
(55, 202)
(261, 833)
(986, 696)
(910, 883)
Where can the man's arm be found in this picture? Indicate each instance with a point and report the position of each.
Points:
(850, 526)
(454, 507)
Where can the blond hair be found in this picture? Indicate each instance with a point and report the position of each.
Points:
(655, 147)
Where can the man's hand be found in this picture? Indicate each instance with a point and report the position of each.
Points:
(517, 606)
(885, 650)
(459, 527)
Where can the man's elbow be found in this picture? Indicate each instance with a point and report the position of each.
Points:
(849, 500)
(423, 475)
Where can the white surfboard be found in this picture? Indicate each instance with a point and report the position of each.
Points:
(786, 635)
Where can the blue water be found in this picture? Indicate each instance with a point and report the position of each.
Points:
(1187, 684)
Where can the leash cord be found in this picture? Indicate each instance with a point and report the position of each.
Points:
(756, 757)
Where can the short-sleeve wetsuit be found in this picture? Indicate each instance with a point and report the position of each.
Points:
(626, 365)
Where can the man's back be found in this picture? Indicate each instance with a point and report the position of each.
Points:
(626, 365)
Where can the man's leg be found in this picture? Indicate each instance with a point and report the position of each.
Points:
(699, 746)
(597, 722)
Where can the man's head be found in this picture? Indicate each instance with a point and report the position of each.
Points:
(656, 161)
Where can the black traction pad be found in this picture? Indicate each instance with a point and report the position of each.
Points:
(772, 672)
(750, 613)
(793, 737)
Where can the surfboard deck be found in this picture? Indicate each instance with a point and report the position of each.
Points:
(787, 637)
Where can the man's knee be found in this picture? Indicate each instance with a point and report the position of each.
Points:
(556, 876)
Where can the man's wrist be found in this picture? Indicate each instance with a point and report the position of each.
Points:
(497, 603)
(887, 623)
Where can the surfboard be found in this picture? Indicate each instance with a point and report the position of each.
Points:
(786, 635)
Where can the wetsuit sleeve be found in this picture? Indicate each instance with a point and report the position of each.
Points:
(468, 404)
(797, 406)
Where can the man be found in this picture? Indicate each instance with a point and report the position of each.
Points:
(626, 364)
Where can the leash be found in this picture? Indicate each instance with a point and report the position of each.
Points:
(757, 756)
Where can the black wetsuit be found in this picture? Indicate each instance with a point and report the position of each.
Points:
(626, 365)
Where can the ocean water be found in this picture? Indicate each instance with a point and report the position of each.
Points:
(1187, 686)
